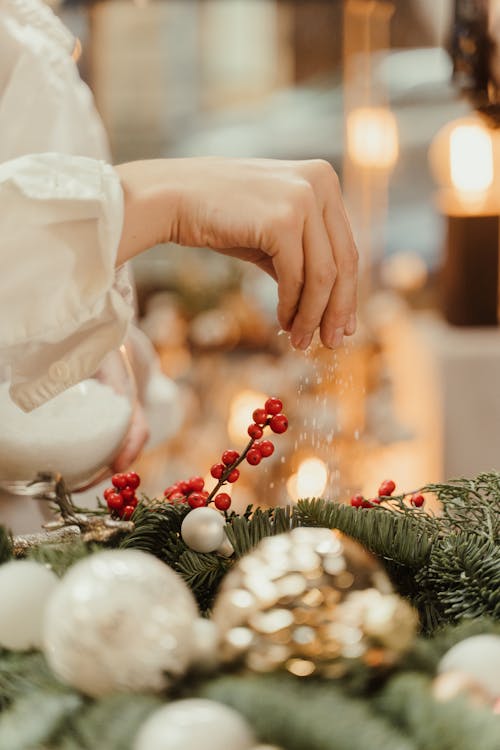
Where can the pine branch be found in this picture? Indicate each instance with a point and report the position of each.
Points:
(463, 576)
(457, 724)
(245, 532)
(110, 723)
(35, 718)
(61, 557)
(425, 654)
(203, 574)
(297, 714)
(402, 538)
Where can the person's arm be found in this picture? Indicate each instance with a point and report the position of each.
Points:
(287, 217)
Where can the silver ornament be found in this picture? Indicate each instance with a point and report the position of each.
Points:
(311, 601)
(203, 529)
(119, 620)
(477, 658)
(193, 724)
(25, 587)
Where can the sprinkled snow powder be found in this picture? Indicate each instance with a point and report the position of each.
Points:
(77, 433)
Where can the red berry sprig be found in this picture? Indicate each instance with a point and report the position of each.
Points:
(417, 500)
(226, 471)
(385, 492)
(121, 498)
(188, 491)
(386, 488)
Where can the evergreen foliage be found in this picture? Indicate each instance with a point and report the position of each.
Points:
(448, 566)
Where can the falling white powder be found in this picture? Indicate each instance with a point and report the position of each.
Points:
(77, 433)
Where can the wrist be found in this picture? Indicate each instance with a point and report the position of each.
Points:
(151, 200)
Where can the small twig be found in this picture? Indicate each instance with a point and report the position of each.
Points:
(24, 543)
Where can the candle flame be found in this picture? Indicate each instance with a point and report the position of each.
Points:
(471, 159)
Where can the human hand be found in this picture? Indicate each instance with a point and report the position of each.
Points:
(287, 217)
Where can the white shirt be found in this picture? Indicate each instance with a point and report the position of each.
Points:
(62, 304)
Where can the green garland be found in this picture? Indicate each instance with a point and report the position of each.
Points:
(448, 566)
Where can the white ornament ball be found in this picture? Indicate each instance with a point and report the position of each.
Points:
(25, 586)
(193, 724)
(203, 529)
(119, 620)
(477, 657)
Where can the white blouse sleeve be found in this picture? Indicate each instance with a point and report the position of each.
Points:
(63, 305)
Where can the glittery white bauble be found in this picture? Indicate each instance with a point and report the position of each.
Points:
(25, 586)
(119, 620)
(203, 529)
(477, 657)
(193, 724)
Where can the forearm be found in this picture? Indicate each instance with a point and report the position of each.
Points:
(150, 206)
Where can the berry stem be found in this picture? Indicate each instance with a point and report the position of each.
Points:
(230, 468)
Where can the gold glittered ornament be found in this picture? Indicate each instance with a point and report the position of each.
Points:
(313, 602)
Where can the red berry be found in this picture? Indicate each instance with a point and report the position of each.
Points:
(222, 501)
(217, 470)
(133, 479)
(229, 457)
(279, 423)
(127, 512)
(259, 416)
(183, 486)
(197, 500)
(273, 406)
(108, 491)
(127, 494)
(177, 497)
(266, 448)
(417, 500)
(196, 484)
(254, 456)
(386, 488)
(133, 502)
(369, 503)
(255, 431)
(119, 481)
(170, 490)
(357, 501)
(233, 476)
(115, 501)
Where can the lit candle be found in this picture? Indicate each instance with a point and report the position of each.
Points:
(463, 157)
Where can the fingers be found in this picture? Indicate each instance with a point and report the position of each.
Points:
(340, 313)
(319, 279)
(328, 296)
(288, 262)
